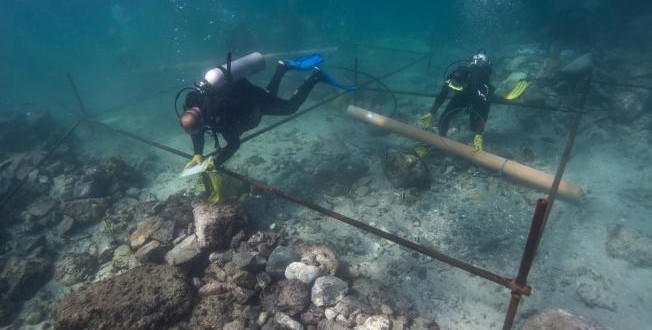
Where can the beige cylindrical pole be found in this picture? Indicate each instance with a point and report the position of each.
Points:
(505, 166)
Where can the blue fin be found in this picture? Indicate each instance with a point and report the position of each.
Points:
(326, 78)
(304, 62)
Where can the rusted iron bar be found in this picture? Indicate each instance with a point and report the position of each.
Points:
(542, 211)
(82, 108)
(494, 101)
(504, 281)
(391, 49)
(534, 236)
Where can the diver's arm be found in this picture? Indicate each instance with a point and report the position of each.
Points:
(198, 143)
(232, 145)
(439, 100)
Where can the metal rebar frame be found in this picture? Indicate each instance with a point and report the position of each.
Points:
(517, 285)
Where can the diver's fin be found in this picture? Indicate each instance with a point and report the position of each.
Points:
(304, 62)
(517, 91)
(326, 78)
(422, 149)
(425, 121)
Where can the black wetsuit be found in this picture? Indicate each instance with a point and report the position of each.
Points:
(475, 96)
(239, 106)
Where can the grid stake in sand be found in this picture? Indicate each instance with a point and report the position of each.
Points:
(505, 166)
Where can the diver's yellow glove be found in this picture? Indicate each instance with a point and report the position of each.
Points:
(477, 143)
(425, 121)
(196, 159)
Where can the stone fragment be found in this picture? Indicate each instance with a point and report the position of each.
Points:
(376, 322)
(293, 297)
(184, 253)
(249, 261)
(121, 257)
(328, 291)
(75, 268)
(287, 322)
(143, 231)
(278, 261)
(41, 206)
(302, 272)
(152, 251)
(86, 211)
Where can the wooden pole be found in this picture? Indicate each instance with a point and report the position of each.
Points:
(504, 166)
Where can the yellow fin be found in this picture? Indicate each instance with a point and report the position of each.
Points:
(517, 91)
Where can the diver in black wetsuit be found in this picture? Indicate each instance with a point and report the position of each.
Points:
(232, 109)
(473, 92)
(238, 107)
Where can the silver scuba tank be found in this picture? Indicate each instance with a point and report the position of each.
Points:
(240, 68)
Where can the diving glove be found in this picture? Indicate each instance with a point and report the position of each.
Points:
(477, 143)
(196, 160)
(426, 121)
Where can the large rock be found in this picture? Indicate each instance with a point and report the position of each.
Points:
(581, 66)
(406, 170)
(328, 291)
(558, 319)
(278, 261)
(147, 297)
(630, 245)
(86, 211)
(215, 224)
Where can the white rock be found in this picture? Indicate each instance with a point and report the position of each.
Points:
(302, 272)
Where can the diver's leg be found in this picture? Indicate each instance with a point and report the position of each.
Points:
(454, 106)
(478, 117)
(277, 106)
(275, 82)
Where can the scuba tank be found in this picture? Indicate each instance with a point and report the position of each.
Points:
(233, 70)
(226, 73)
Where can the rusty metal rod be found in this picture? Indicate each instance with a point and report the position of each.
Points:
(542, 212)
(504, 281)
(534, 236)
(82, 108)
(391, 49)
(495, 100)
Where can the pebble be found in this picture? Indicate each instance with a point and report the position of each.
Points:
(302, 272)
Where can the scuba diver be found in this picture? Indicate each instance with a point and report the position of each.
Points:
(472, 92)
(226, 103)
